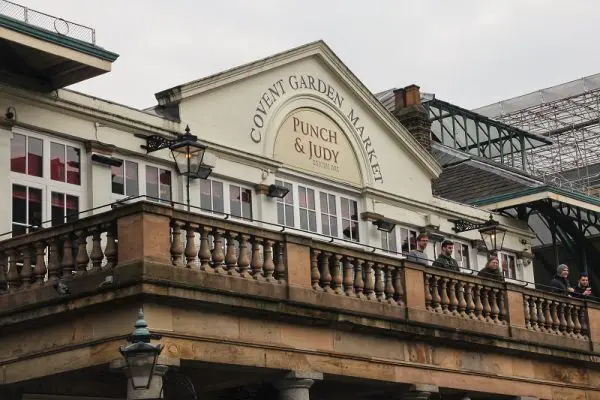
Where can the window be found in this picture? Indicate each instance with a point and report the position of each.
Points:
(508, 263)
(26, 209)
(408, 238)
(240, 202)
(328, 215)
(349, 219)
(46, 181)
(306, 205)
(158, 183)
(462, 255)
(285, 206)
(388, 241)
(211, 195)
(27, 155)
(125, 179)
(220, 197)
(64, 163)
(310, 209)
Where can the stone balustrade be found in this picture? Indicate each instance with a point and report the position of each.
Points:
(465, 297)
(236, 258)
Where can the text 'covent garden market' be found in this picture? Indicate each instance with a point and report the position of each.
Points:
(275, 230)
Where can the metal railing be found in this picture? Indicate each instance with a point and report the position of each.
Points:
(47, 22)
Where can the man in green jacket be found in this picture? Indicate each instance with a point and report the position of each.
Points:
(445, 259)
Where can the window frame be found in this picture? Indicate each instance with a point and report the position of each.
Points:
(142, 189)
(318, 190)
(45, 182)
(509, 255)
(227, 184)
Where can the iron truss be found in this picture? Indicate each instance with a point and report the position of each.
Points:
(569, 115)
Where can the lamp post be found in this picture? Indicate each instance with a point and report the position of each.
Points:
(491, 232)
(187, 153)
(140, 357)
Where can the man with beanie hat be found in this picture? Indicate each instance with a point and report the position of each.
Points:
(560, 283)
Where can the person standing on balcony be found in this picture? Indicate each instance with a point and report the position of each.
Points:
(445, 259)
(492, 270)
(583, 289)
(418, 255)
(560, 283)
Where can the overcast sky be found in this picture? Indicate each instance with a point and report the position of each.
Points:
(470, 53)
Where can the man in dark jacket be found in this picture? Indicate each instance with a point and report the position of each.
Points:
(445, 259)
(560, 283)
(583, 289)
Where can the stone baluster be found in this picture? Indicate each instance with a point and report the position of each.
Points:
(14, 278)
(231, 258)
(218, 255)
(501, 307)
(325, 272)
(485, 300)
(244, 259)
(348, 276)
(445, 298)
(462, 303)
(280, 263)
(399, 286)
(493, 300)
(452, 296)
(477, 293)
(526, 309)
(26, 272)
(204, 252)
(436, 300)
(96, 255)
(379, 282)
(547, 315)
(562, 319)
(575, 312)
(40, 262)
(256, 263)
(3, 272)
(337, 273)
(176, 245)
(389, 285)
(111, 250)
(82, 258)
(582, 317)
(269, 265)
(370, 281)
(555, 319)
(470, 301)
(539, 307)
(53, 260)
(359, 283)
(315, 275)
(67, 258)
(533, 314)
(569, 318)
(428, 296)
(190, 251)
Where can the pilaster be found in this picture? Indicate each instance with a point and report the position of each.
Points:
(5, 186)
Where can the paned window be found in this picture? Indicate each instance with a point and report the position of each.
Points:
(158, 184)
(125, 179)
(349, 219)
(307, 210)
(329, 221)
(240, 202)
(285, 206)
(508, 263)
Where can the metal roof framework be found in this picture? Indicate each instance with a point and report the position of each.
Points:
(569, 115)
(480, 136)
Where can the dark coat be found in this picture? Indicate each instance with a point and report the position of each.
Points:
(560, 285)
(447, 263)
(578, 292)
(495, 274)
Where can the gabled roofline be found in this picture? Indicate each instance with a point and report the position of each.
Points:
(319, 49)
(536, 190)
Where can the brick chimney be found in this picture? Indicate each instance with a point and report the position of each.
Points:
(412, 115)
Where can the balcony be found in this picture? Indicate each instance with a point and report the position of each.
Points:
(43, 53)
(225, 292)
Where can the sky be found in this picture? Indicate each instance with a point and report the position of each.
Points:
(468, 52)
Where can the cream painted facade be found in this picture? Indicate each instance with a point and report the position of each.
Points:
(245, 116)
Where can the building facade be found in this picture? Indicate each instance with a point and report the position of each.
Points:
(254, 295)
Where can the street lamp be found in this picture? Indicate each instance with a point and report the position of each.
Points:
(140, 355)
(187, 153)
(491, 232)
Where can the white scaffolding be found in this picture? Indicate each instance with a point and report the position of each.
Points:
(569, 115)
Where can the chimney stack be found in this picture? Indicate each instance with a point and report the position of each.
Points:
(412, 115)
